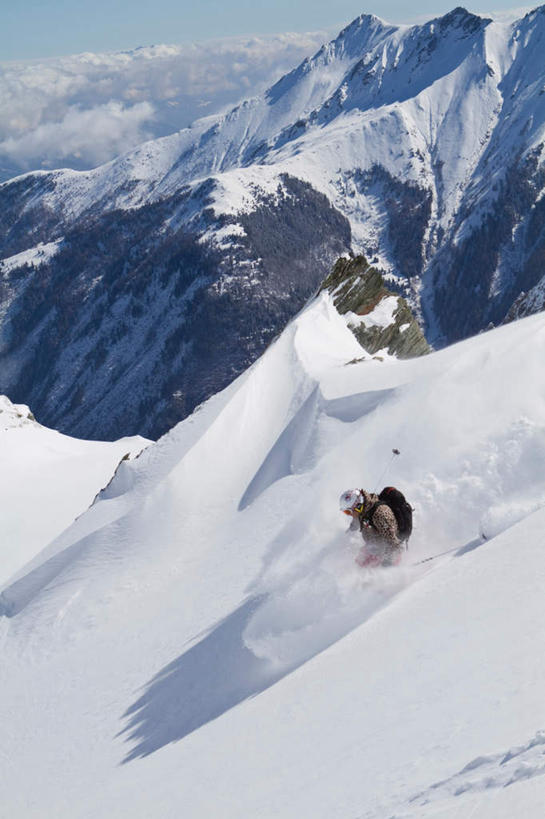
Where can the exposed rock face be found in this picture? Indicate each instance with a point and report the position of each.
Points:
(528, 303)
(358, 288)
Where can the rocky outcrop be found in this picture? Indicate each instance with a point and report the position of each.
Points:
(379, 318)
(528, 303)
(14, 415)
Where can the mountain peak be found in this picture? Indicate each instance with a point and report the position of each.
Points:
(358, 34)
(363, 21)
(534, 12)
(460, 17)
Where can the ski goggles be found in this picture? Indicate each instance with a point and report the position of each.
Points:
(358, 509)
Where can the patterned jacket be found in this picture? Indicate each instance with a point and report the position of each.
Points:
(379, 530)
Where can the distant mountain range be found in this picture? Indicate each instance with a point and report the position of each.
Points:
(82, 110)
(132, 292)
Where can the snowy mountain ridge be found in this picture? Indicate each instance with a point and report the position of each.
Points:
(14, 415)
(211, 593)
(371, 65)
(418, 146)
(82, 110)
(46, 481)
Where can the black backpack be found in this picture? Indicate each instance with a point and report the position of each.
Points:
(401, 508)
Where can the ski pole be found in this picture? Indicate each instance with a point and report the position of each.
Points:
(387, 467)
(427, 559)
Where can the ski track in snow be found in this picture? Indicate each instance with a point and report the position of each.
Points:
(483, 773)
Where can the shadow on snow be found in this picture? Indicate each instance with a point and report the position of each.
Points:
(220, 672)
(209, 679)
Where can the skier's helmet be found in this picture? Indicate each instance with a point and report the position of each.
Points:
(351, 501)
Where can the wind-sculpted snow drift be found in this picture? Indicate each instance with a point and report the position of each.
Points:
(210, 594)
(177, 264)
(46, 480)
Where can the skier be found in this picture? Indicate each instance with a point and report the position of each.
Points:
(378, 526)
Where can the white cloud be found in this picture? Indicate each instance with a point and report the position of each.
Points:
(89, 136)
(82, 110)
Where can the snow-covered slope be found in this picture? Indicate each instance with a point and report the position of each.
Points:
(46, 481)
(205, 623)
(419, 146)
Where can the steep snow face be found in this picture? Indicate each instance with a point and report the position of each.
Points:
(46, 481)
(211, 593)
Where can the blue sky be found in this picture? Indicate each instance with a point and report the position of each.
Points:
(46, 28)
